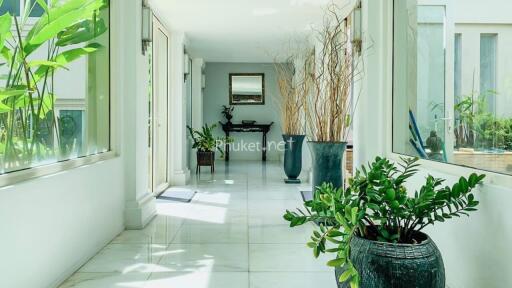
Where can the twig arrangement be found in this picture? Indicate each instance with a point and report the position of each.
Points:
(294, 87)
(330, 106)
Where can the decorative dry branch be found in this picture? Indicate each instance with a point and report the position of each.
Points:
(294, 87)
(330, 107)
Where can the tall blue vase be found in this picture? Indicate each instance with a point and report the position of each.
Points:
(327, 163)
(293, 157)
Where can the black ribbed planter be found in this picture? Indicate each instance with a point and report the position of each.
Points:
(386, 265)
(293, 157)
(327, 161)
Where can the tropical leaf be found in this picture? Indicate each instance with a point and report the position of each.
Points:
(46, 63)
(10, 92)
(58, 19)
(82, 32)
(4, 108)
(66, 57)
(5, 28)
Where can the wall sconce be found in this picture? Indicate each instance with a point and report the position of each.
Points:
(357, 28)
(186, 66)
(147, 27)
(203, 81)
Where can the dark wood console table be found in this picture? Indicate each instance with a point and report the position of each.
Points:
(258, 128)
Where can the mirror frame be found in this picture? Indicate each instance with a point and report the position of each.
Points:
(231, 102)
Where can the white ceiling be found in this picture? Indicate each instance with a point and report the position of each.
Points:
(240, 30)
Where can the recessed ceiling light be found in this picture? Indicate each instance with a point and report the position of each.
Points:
(308, 2)
(264, 11)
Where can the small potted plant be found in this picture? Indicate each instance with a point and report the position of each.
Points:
(227, 111)
(206, 145)
(375, 226)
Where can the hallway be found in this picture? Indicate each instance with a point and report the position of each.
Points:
(231, 235)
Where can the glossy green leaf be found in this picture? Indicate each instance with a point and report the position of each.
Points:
(65, 58)
(345, 276)
(336, 262)
(10, 92)
(82, 32)
(58, 19)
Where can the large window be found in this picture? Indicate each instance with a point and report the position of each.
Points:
(452, 87)
(55, 81)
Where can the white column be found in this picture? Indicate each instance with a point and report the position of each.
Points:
(179, 172)
(372, 121)
(197, 101)
(132, 92)
(197, 93)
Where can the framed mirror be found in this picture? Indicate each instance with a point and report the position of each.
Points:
(246, 89)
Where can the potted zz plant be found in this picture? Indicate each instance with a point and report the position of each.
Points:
(375, 227)
(206, 145)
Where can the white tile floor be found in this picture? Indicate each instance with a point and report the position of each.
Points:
(231, 236)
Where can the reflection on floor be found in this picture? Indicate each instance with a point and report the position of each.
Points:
(231, 235)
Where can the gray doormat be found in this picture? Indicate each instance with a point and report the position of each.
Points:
(307, 195)
(178, 195)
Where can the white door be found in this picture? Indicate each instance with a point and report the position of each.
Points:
(160, 115)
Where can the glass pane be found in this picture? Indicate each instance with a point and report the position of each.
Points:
(71, 128)
(11, 6)
(488, 70)
(420, 89)
(61, 109)
(469, 123)
(36, 9)
(457, 65)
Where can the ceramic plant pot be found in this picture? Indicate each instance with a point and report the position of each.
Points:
(293, 157)
(327, 162)
(387, 265)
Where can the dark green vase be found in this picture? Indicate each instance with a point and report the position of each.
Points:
(293, 157)
(386, 265)
(327, 162)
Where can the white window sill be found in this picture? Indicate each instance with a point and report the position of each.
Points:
(492, 178)
(50, 169)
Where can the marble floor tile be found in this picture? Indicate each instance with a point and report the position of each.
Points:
(125, 258)
(161, 230)
(285, 258)
(106, 280)
(205, 258)
(280, 233)
(199, 280)
(292, 280)
(211, 233)
(232, 235)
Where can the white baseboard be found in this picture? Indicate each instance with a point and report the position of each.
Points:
(180, 177)
(139, 213)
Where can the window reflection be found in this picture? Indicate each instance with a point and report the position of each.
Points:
(453, 83)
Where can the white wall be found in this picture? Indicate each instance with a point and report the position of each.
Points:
(476, 249)
(179, 172)
(216, 94)
(52, 225)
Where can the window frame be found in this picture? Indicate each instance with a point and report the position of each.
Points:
(493, 177)
(45, 170)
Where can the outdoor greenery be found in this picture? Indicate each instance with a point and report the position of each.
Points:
(30, 130)
(478, 128)
(204, 141)
(376, 206)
